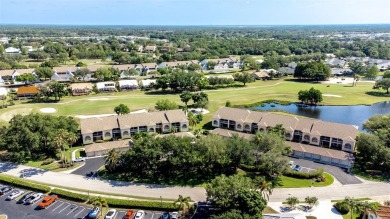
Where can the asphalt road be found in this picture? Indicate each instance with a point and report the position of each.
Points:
(340, 174)
(91, 165)
(61, 209)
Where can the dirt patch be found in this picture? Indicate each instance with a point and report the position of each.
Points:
(48, 110)
(7, 116)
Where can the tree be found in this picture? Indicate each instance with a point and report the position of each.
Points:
(192, 120)
(353, 205)
(372, 72)
(312, 96)
(50, 64)
(44, 72)
(57, 89)
(100, 202)
(121, 109)
(165, 104)
(182, 202)
(386, 74)
(3, 98)
(357, 67)
(228, 104)
(265, 187)
(103, 74)
(292, 201)
(81, 64)
(82, 72)
(63, 57)
(311, 201)
(111, 161)
(314, 70)
(366, 207)
(251, 202)
(185, 97)
(26, 78)
(383, 84)
(244, 78)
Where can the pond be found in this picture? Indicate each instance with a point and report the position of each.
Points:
(354, 115)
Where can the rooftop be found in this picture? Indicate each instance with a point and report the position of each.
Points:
(107, 146)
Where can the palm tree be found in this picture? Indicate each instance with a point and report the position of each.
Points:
(292, 201)
(265, 187)
(182, 202)
(112, 160)
(353, 205)
(100, 202)
(59, 142)
(366, 207)
(72, 138)
(311, 201)
(192, 120)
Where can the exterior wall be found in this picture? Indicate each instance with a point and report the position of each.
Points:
(239, 126)
(104, 152)
(151, 129)
(313, 138)
(107, 134)
(352, 143)
(184, 126)
(215, 123)
(164, 127)
(288, 135)
(247, 127)
(125, 133)
(87, 140)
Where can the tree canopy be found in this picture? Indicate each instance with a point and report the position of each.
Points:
(121, 109)
(311, 96)
(314, 70)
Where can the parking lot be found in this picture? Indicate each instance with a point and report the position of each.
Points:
(91, 165)
(339, 173)
(61, 209)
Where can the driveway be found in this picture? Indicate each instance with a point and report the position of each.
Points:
(340, 174)
(91, 165)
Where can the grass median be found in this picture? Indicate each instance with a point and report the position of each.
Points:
(290, 182)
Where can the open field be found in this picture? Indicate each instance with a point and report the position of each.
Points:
(284, 90)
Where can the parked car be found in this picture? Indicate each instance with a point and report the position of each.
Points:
(94, 213)
(165, 215)
(5, 189)
(174, 215)
(14, 194)
(139, 215)
(48, 200)
(79, 159)
(25, 198)
(129, 214)
(291, 163)
(34, 198)
(297, 168)
(110, 214)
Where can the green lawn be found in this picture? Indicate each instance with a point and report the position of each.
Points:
(55, 166)
(282, 90)
(348, 216)
(289, 182)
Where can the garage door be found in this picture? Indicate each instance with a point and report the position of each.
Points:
(325, 159)
(336, 161)
(298, 153)
(308, 155)
(316, 156)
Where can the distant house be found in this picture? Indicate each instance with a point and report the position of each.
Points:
(147, 67)
(139, 48)
(101, 149)
(261, 75)
(107, 86)
(335, 62)
(79, 89)
(148, 83)
(62, 76)
(128, 84)
(12, 51)
(341, 71)
(27, 92)
(292, 65)
(287, 70)
(150, 49)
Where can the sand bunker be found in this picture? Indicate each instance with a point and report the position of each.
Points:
(198, 111)
(7, 116)
(47, 110)
(331, 95)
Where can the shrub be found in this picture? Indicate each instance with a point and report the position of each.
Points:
(148, 205)
(70, 195)
(99, 141)
(47, 161)
(23, 183)
(342, 207)
(316, 174)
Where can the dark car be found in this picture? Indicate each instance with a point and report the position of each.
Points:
(5, 190)
(297, 168)
(166, 215)
(25, 198)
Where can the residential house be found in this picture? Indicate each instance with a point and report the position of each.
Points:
(335, 62)
(124, 126)
(107, 86)
(139, 48)
(27, 92)
(147, 84)
(80, 89)
(150, 49)
(12, 51)
(341, 71)
(147, 67)
(300, 132)
(261, 75)
(101, 149)
(62, 76)
(287, 70)
(128, 84)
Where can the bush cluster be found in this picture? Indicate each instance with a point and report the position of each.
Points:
(316, 174)
(23, 183)
(342, 207)
(47, 161)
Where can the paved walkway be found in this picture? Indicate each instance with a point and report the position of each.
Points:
(336, 191)
(324, 210)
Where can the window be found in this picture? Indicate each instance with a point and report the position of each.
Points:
(215, 122)
(239, 126)
(306, 138)
(166, 127)
(87, 138)
(151, 130)
(107, 135)
(288, 135)
(184, 126)
(348, 146)
(247, 127)
(125, 133)
(315, 140)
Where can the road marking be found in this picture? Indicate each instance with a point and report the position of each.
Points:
(73, 209)
(65, 207)
(58, 206)
(52, 204)
(115, 215)
(80, 211)
(152, 216)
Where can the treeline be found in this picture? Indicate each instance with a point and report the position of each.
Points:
(184, 159)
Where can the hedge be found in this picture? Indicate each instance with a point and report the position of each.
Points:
(70, 195)
(23, 183)
(342, 207)
(297, 174)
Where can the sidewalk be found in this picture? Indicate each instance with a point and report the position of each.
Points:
(324, 210)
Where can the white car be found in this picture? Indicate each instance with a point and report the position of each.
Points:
(291, 163)
(139, 215)
(34, 198)
(110, 214)
(174, 215)
(14, 194)
(79, 159)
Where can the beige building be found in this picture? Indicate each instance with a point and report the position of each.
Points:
(101, 149)
(124, 126)
(303, 131)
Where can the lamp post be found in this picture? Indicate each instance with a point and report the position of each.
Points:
(160, 201)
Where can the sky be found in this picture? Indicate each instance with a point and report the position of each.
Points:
(194, 12)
